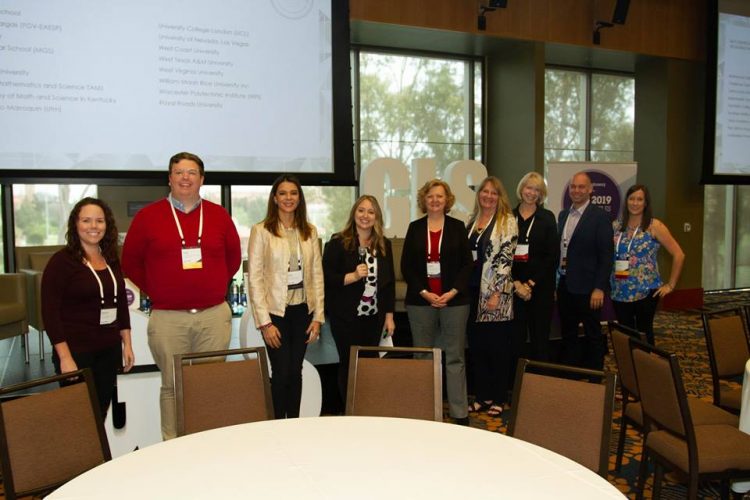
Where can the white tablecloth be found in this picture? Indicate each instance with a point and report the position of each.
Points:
(744, 486)
(341, 458)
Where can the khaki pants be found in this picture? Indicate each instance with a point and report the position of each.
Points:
(181, 332)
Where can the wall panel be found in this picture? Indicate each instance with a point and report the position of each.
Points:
(665, 28)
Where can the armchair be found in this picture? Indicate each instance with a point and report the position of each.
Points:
(13, 314)
(31, 262)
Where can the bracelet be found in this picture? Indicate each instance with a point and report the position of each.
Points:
(263, 327)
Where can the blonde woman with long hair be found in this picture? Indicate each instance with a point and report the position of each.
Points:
(360, 286)
(492, 237)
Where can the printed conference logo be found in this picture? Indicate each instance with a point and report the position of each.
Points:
(292, 9)
(606, 194)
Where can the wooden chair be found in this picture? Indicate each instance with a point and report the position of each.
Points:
(709, 452)
(396, 385)
(728, 351)
(213, 392)
(565, 415)
(704, 413)
(49, 438)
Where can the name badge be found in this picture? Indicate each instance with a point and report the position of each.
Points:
(192, 258)
(433, 269)
(294, 279)
(474, 255)
(522, 253)
(622, 269)
(107, 316)
(369, 291)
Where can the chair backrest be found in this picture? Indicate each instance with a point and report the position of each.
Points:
(213, 392)
(663, 396)
(727, 342)
(620, 335)
(13, 314)
(47, 439)
(569, 416)
(395, 385)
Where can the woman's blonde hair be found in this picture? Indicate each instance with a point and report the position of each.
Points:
(450, 199)
(348, 235)
(503, 203)
(537, 181)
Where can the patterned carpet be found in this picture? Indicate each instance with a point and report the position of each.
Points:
(676, 331)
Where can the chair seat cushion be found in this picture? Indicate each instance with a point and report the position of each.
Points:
(731, 396)
(703, 413)
(634, 411)
(12, 312)
(720, 448)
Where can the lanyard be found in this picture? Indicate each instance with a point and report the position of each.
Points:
(619, 237)
(99, 281)
(528, 231)
(179, 227)
(429, 241)
(474, 226)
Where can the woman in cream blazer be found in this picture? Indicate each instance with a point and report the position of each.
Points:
(285, 277)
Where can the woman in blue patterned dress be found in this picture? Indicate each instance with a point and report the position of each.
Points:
(636, 284)
(493, 234)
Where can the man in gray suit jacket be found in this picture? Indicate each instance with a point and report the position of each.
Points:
(586, 249)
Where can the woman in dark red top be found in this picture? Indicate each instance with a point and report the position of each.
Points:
(84, 306)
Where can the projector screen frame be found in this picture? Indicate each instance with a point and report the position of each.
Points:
(344, 169)
(709, 141)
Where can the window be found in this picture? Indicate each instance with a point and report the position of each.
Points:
(41, 211)
(327, 208)
(726, 249)
(588, 116)
(414, 106)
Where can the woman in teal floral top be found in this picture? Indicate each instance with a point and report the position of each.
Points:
(636, 284)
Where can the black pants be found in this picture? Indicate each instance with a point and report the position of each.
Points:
(358, 330)
(286, 361)
(533, 319)
(490, 356)
(574, 309)
(103, 365)
(638, 314)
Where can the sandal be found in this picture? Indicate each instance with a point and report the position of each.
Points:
(479, 405)
(495, 411)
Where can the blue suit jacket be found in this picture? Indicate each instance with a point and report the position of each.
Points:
(590, 251)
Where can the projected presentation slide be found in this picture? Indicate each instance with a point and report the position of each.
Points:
(733, 96)
(123, 85)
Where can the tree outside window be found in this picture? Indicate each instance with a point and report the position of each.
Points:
(418, 107)
(589, 116)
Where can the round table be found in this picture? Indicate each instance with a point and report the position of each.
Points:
(744, 486)
(340, 458)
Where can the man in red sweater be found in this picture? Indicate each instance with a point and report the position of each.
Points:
(183, 252)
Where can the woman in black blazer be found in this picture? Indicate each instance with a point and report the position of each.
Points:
(436, 264)
(360, 286)
(534, 267)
